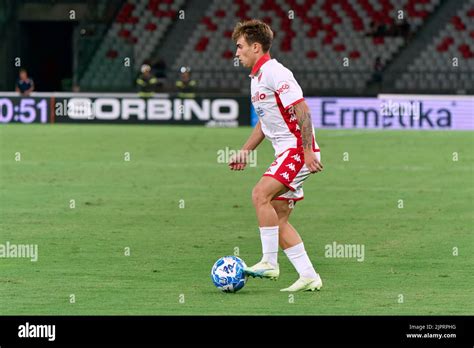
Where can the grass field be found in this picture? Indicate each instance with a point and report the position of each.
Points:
(136, 204)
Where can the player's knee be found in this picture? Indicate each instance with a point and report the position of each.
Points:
(259, 196)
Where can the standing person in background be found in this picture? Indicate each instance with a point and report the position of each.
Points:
(377, 74)
(404, 29)
(146, 82)
(185, 84)
(24, 84)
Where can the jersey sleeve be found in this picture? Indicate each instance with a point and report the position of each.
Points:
(284, 84)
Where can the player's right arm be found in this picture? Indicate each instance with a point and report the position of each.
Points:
(255, 138)
(239, 161)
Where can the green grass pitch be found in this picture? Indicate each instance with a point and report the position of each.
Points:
(418, 259)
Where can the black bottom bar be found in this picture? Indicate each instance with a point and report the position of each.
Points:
(232, 330)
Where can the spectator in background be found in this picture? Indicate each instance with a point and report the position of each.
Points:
(146, 82)
(24, 84)
(381, 30)
(87, 31)
(185, 85)
(403, 29)
(372, 28)
(377, 29)
(377, 74)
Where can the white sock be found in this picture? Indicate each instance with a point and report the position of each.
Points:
(269, 237)
(300, 260)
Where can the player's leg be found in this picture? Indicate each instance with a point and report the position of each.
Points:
(291, 242)
(292, 245)
(288, 236)
(262, 195)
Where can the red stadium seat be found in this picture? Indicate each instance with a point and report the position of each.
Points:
(378, 40)
(153, 5)
(413, 12)
(444, 45)
(458, 24)
(150, 27)
(267, 20)
(125, 13)
(354, 54)
(111, 54)
(243, 8)
(124, 33)
(202, 44)
(312, 54)
(227, 55)
(339, 47)
(209, 24)
(220, 13)
(466, 51)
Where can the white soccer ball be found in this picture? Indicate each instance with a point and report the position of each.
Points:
(228, 275)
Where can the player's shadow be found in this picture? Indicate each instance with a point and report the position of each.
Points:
(243, 292)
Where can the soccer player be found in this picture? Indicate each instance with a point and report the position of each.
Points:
(285, 120)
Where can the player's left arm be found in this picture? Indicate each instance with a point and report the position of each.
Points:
(303, 115)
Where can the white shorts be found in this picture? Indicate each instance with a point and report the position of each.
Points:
(290, 170)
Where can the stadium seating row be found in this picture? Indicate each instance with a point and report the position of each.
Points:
(138, 28)
(323, 41)
(450, 52)
(316, 36)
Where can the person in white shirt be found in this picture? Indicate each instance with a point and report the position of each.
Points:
(285, 120)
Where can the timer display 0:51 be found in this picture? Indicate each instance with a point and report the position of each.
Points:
(26, 111)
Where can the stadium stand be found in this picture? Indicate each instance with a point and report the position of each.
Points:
(451, 51)
(312, 37)
(138, 28)
(313, 44)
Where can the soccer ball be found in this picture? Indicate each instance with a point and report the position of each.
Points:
(228, 275)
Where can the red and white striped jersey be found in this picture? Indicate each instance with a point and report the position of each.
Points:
(274, 90)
